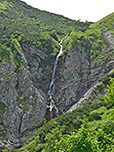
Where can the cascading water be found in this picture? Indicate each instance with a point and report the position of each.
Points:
(52, 85)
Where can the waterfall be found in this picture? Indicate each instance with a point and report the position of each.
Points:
(52, 85)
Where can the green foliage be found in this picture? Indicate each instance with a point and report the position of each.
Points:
(109, 98)
(4, 150)
(105, 136)
(75, 142)
(21, 24)
(88, 139)
(92, 41)
(94, 115)
(94, 136)
(4, 52)
(5, 5)
(51, 138)
(89, 128)
(35, 26)
(106, 79)
(22, 97)
(107, 22)
(2, 106)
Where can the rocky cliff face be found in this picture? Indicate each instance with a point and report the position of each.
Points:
(26, 75)
(23, 97)
(77, 75)
(23, 106)
(39, 73)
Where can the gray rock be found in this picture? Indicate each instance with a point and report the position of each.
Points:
(24, 104)
(24, 87)
(77, 77)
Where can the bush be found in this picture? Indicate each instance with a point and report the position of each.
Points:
(94, 115)
(109, 98)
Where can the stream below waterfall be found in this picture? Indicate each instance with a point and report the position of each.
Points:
(53, 106)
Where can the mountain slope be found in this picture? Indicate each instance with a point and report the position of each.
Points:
(28, 36)
(29, 42)
(90, 127)
(89, 56)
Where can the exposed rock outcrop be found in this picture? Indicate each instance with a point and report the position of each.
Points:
(78, 75)
(23, 106)
(26, 70)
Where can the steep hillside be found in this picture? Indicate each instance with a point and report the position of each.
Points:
(28, 39)
(32, 29)
(88, 56)
(89, 128)
(29, 42)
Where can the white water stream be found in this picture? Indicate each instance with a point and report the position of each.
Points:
(52, 85)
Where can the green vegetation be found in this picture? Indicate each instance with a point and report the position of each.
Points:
(93, 42)
(109, 98)
(94, 137)
(4, 52)
(2, 106)
(89, 128)
(107, 22)
(20, 23)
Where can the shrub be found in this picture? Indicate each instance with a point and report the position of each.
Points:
(109, 98)
(94, 115)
